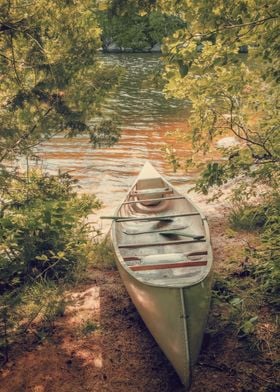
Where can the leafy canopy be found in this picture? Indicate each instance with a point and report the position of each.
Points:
(231, 92)
(51, 80)
(226, 62)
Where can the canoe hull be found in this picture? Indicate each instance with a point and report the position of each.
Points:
(175, 316)
(168, 279)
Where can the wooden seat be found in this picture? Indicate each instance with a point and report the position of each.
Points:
(163, 257)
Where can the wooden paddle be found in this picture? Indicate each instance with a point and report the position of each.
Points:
(119, 218)
(136, 232)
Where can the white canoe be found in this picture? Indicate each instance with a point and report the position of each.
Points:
(164, 257)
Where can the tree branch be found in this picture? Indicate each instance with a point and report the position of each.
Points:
(22, 138)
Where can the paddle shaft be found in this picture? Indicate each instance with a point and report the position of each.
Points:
(134, 232)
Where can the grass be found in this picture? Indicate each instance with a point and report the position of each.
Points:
(89, 327)
(103, 255)
(240, 306)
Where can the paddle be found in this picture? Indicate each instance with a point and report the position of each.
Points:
(162, 219)
(181, 234)
(136, 232)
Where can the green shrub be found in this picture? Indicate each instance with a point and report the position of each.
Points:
(248, 218)
(42, 230)
(266, 219)
(104, 255)
(45, 240)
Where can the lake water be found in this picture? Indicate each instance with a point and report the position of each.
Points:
(146, 117)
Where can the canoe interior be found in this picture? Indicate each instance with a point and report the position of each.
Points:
(178, 246)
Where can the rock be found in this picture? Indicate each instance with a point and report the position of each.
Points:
(156, 48)
(126, 50)
(227, 142)
(113, 48)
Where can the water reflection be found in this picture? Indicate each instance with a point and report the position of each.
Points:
(139, 100)
(146, 116)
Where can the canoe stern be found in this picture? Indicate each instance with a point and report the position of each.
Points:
(162, 312)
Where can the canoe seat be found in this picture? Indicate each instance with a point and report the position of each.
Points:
(168, 261)
(163, 258)
(181, 264)
(166, 257)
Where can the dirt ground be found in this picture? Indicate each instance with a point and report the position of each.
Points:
(101, 344)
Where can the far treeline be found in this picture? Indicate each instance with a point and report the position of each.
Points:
(136, 25)
(52, 82)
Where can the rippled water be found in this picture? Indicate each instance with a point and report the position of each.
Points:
(146, 117)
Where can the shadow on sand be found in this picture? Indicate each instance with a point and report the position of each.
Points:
(100, 344)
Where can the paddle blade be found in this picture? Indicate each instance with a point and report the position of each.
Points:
(181, 234)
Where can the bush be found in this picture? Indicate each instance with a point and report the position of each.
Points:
(266, 219)
(248, 218)
(42, 230)
(45, 240)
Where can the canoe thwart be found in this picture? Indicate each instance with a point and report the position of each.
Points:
(183, 264)
(151, 191)
(156, 199)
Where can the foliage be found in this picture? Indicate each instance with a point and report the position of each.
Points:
(45, 240)
(266, 219)
(40, 229)
(88, 327)
(237, 303)
(51, 80)
(135, 24)
(104, 254)
(230, 92)
(171, 157)
(248, 217)
(234, 93)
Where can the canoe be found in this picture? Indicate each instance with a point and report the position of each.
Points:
(164, 256)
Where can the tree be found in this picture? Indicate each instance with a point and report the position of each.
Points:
(51, 80)
(230, 92)
(135, 24)
(237, 94)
